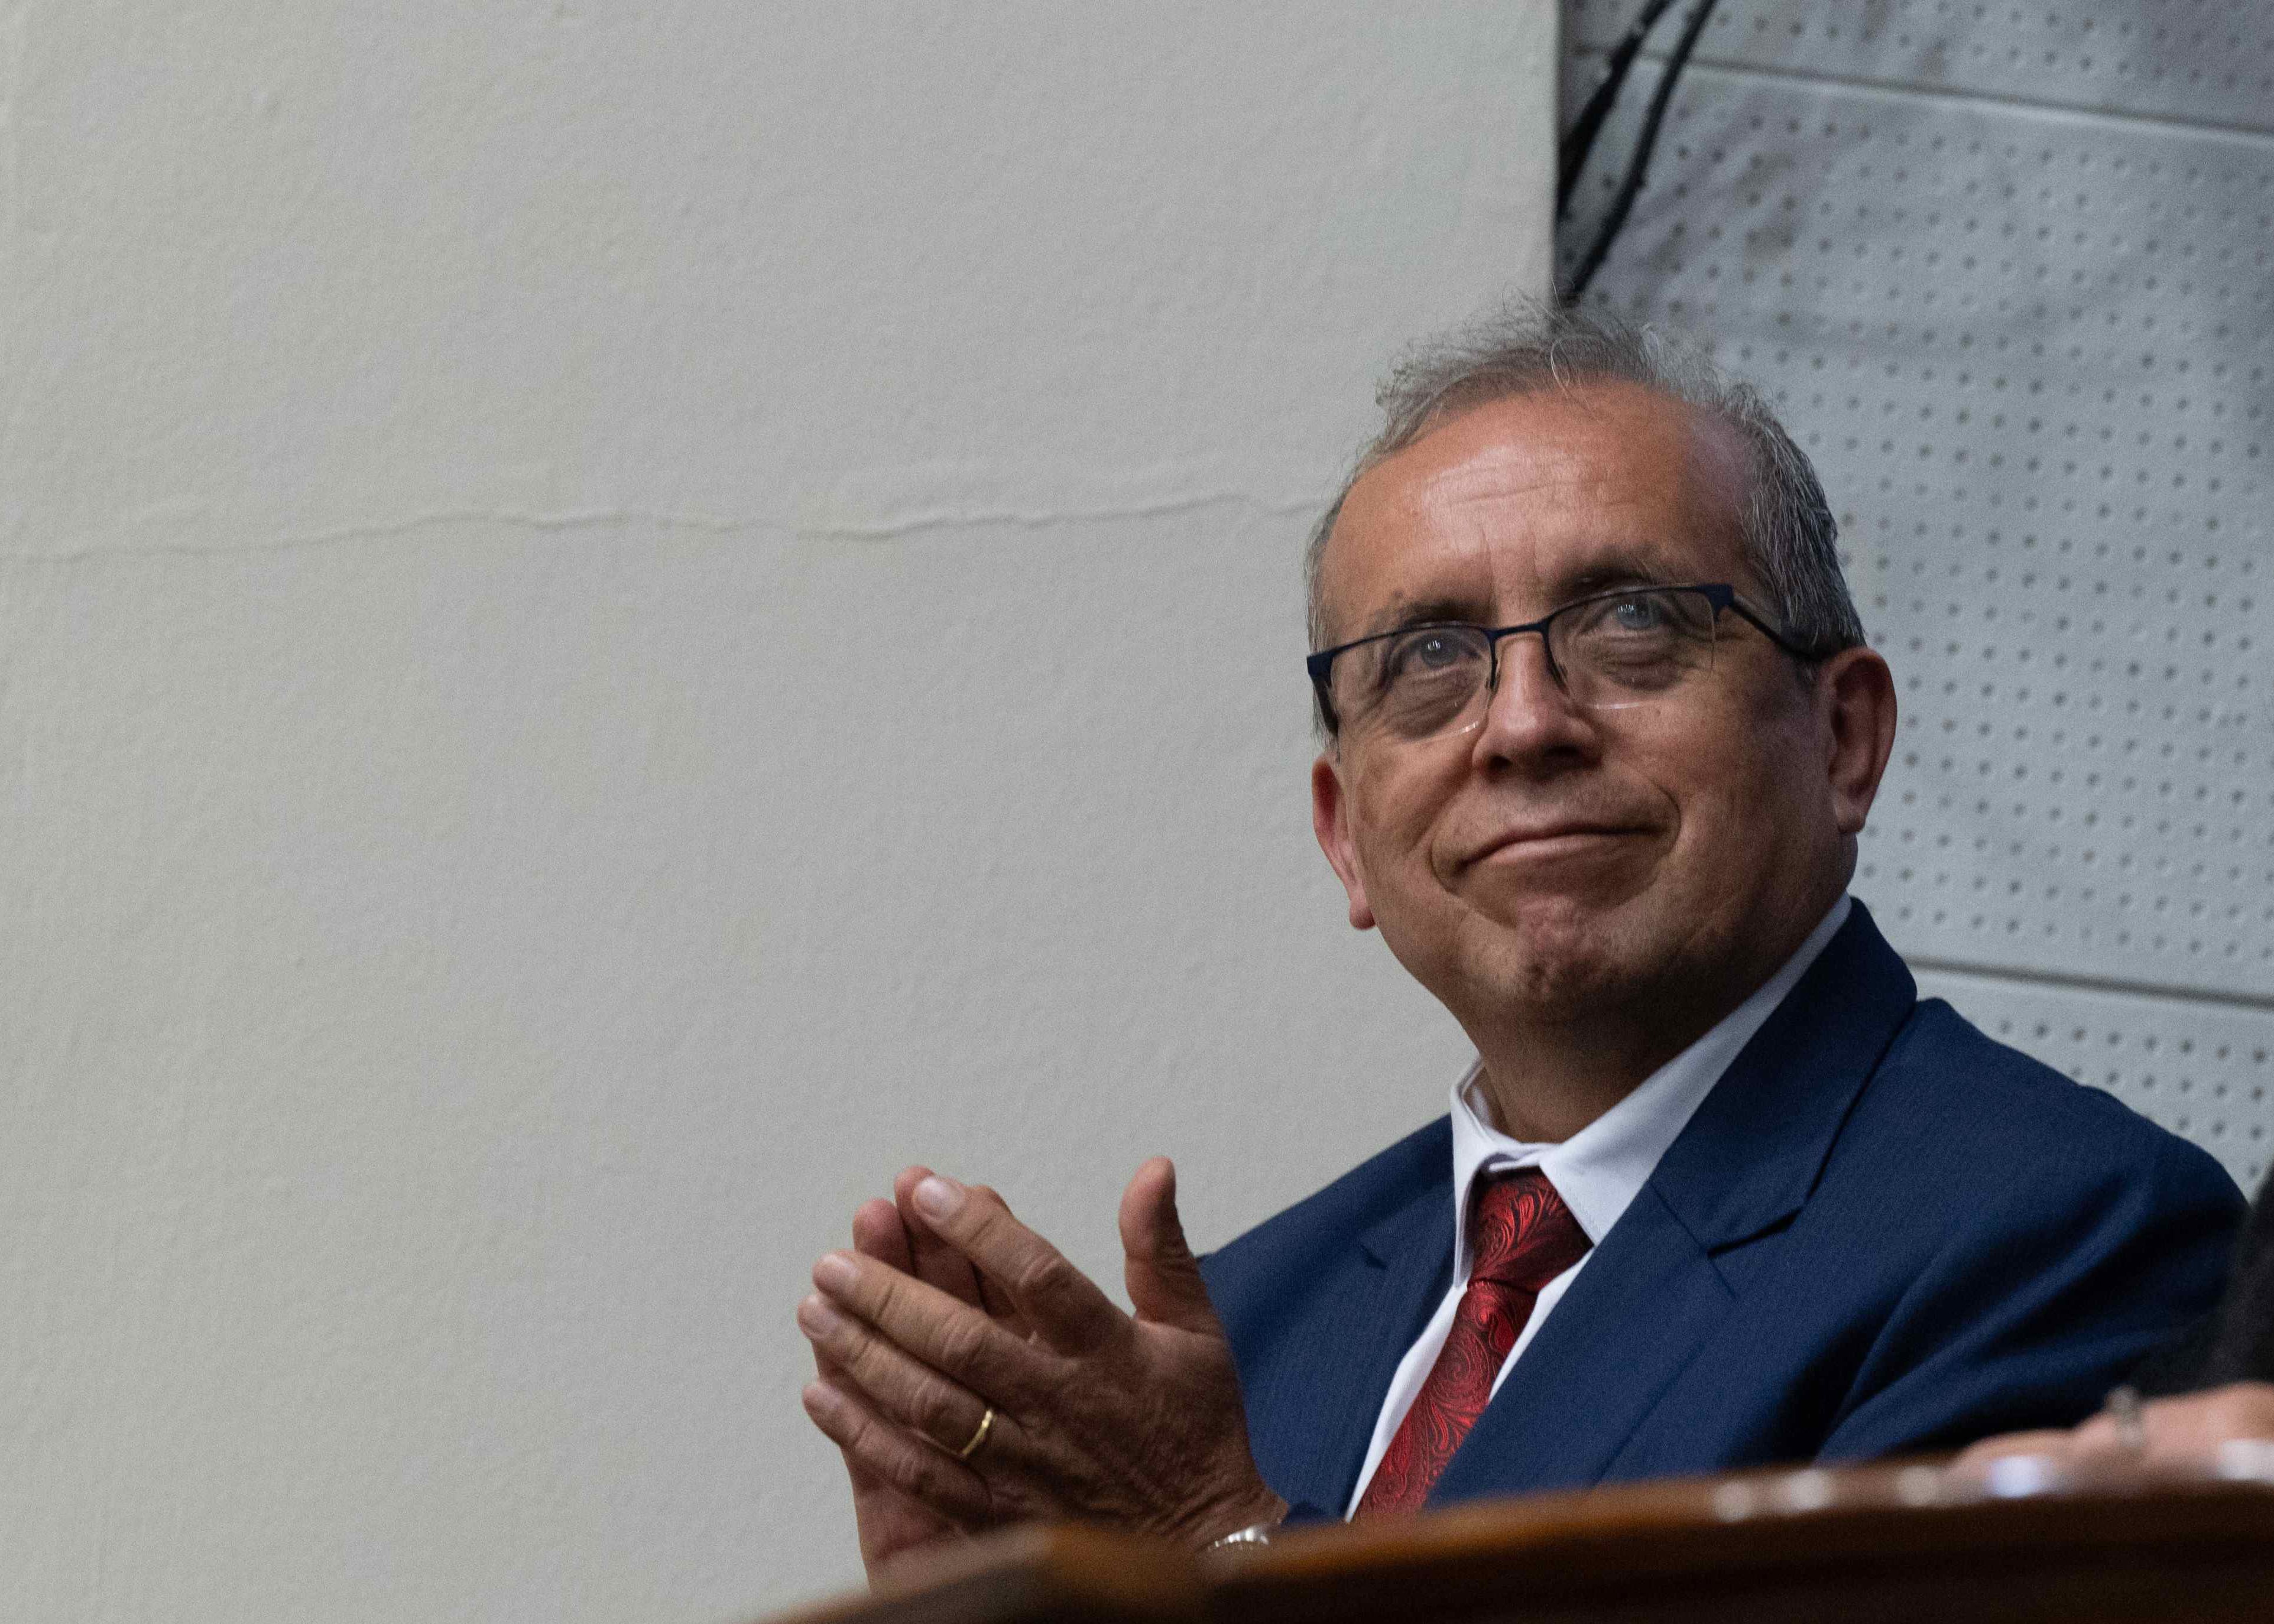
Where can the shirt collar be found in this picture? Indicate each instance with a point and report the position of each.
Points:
(1600, 1169)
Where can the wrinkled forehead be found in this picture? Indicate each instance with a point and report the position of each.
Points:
(1519, 504)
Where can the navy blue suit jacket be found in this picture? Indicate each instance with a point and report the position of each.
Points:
(1882, 1232)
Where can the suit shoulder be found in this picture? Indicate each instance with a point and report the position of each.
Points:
(1415, 1167)
(1968, 1101)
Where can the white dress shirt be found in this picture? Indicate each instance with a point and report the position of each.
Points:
(1597, 1171)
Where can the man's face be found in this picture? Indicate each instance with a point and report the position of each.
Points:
(1551, 862)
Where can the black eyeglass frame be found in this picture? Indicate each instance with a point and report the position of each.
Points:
(1719, 594)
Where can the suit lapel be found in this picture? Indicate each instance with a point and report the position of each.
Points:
(1403, 1265)
(1754, 1151)
(1652, 1295)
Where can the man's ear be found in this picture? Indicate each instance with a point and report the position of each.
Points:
(1330, 821)
(1856, 694)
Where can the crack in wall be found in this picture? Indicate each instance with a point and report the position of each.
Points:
(919, 524)
(887, 529)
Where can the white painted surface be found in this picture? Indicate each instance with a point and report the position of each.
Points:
(611, 621)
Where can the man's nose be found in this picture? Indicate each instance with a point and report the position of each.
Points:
(1529, 718)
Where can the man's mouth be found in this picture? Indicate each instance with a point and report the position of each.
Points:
(1548, 841)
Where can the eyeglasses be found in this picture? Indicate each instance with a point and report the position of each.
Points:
(1609, 651)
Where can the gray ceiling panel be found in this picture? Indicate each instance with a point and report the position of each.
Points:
(2208, 60)
(2033, 355)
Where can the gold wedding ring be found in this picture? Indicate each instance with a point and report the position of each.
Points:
(986, 1425)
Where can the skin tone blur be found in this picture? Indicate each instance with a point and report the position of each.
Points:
(1588, 891)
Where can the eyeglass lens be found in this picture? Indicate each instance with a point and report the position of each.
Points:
(1609, 653)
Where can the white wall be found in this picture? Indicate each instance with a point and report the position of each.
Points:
(613, 621)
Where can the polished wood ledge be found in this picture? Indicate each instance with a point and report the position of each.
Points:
(1908, 1541)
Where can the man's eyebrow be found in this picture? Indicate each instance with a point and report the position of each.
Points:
(1608, 574)
(1401, 612)
(1604, 572)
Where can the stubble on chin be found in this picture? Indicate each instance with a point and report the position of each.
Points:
(1551, 962)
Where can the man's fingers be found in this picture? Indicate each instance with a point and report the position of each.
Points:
(937, 1262)
(2188, 1429)
(878, 1232)
(1062, 1305)
(956, 1338)
(1980, 1455)
(988, 1192)
(896, 1456)
(1163, 1275)
(2198, 1423)
(891, 1524)
(997, 1301)
(897, 1388)
(894, 1232)
(826, 1369)
(940, 1263)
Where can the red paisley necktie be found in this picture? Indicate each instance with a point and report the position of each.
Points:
(1525, 1237)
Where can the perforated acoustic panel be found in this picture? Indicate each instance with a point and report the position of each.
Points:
(2008, 273)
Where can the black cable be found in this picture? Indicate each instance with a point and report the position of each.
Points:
(1579, 141)
(1600, 250)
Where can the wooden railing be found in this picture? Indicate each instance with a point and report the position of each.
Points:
(1909, 1541)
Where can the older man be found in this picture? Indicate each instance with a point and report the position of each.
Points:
(1601, 730)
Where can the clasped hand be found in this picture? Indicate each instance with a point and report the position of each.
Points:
(948, 1307)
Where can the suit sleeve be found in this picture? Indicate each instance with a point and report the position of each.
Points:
(2035, 1308)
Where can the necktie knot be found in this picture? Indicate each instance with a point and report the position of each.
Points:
(1524, 1235)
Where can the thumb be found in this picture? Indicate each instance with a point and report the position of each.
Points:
(1163, 1275)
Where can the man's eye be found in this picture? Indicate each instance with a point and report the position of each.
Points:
(1635, 617)
(1638, 614)
(1428, 653)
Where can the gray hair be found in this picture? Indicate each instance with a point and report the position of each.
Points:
(1786, 532)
